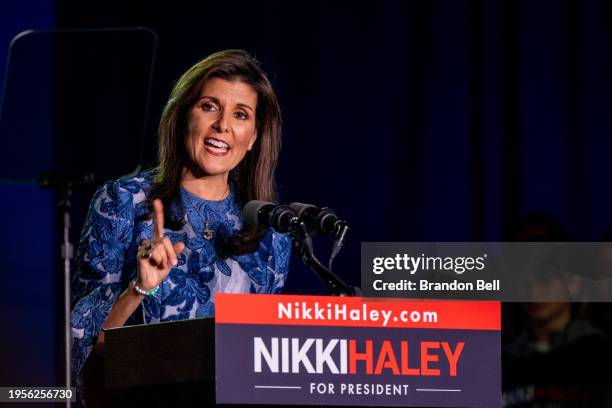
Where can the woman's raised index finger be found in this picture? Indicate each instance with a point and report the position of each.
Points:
(158, 219)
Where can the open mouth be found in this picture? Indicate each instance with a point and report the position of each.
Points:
(216, 147)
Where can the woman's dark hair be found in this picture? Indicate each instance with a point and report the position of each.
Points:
(254, 176)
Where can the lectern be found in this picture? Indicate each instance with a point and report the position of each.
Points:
(306, 350)
(164, 364)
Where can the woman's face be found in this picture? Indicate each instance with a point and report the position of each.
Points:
(221, 127)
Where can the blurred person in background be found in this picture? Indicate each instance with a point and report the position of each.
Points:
(556, 358)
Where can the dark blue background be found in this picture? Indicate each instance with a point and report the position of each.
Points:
(415, 120)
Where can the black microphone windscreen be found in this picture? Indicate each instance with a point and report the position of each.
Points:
(251, 211)
(300, 208)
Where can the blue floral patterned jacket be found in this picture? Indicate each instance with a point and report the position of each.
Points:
(115, 227)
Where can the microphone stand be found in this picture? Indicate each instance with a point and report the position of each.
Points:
(303, 243)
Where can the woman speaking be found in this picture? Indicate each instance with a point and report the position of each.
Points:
(157, 246)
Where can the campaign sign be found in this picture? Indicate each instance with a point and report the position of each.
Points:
(319, 350)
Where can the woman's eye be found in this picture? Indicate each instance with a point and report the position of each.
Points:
(209, 107)
(241, 115)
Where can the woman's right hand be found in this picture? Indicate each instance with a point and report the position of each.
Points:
(157, 256)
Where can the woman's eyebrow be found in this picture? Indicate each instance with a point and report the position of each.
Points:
(244, 105)
(216, 100)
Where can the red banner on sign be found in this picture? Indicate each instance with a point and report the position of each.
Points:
(356, 312)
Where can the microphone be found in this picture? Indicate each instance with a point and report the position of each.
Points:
(268, 215)
(322, 220)
(283, 218)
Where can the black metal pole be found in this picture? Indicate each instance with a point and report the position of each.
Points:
(303, 243)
